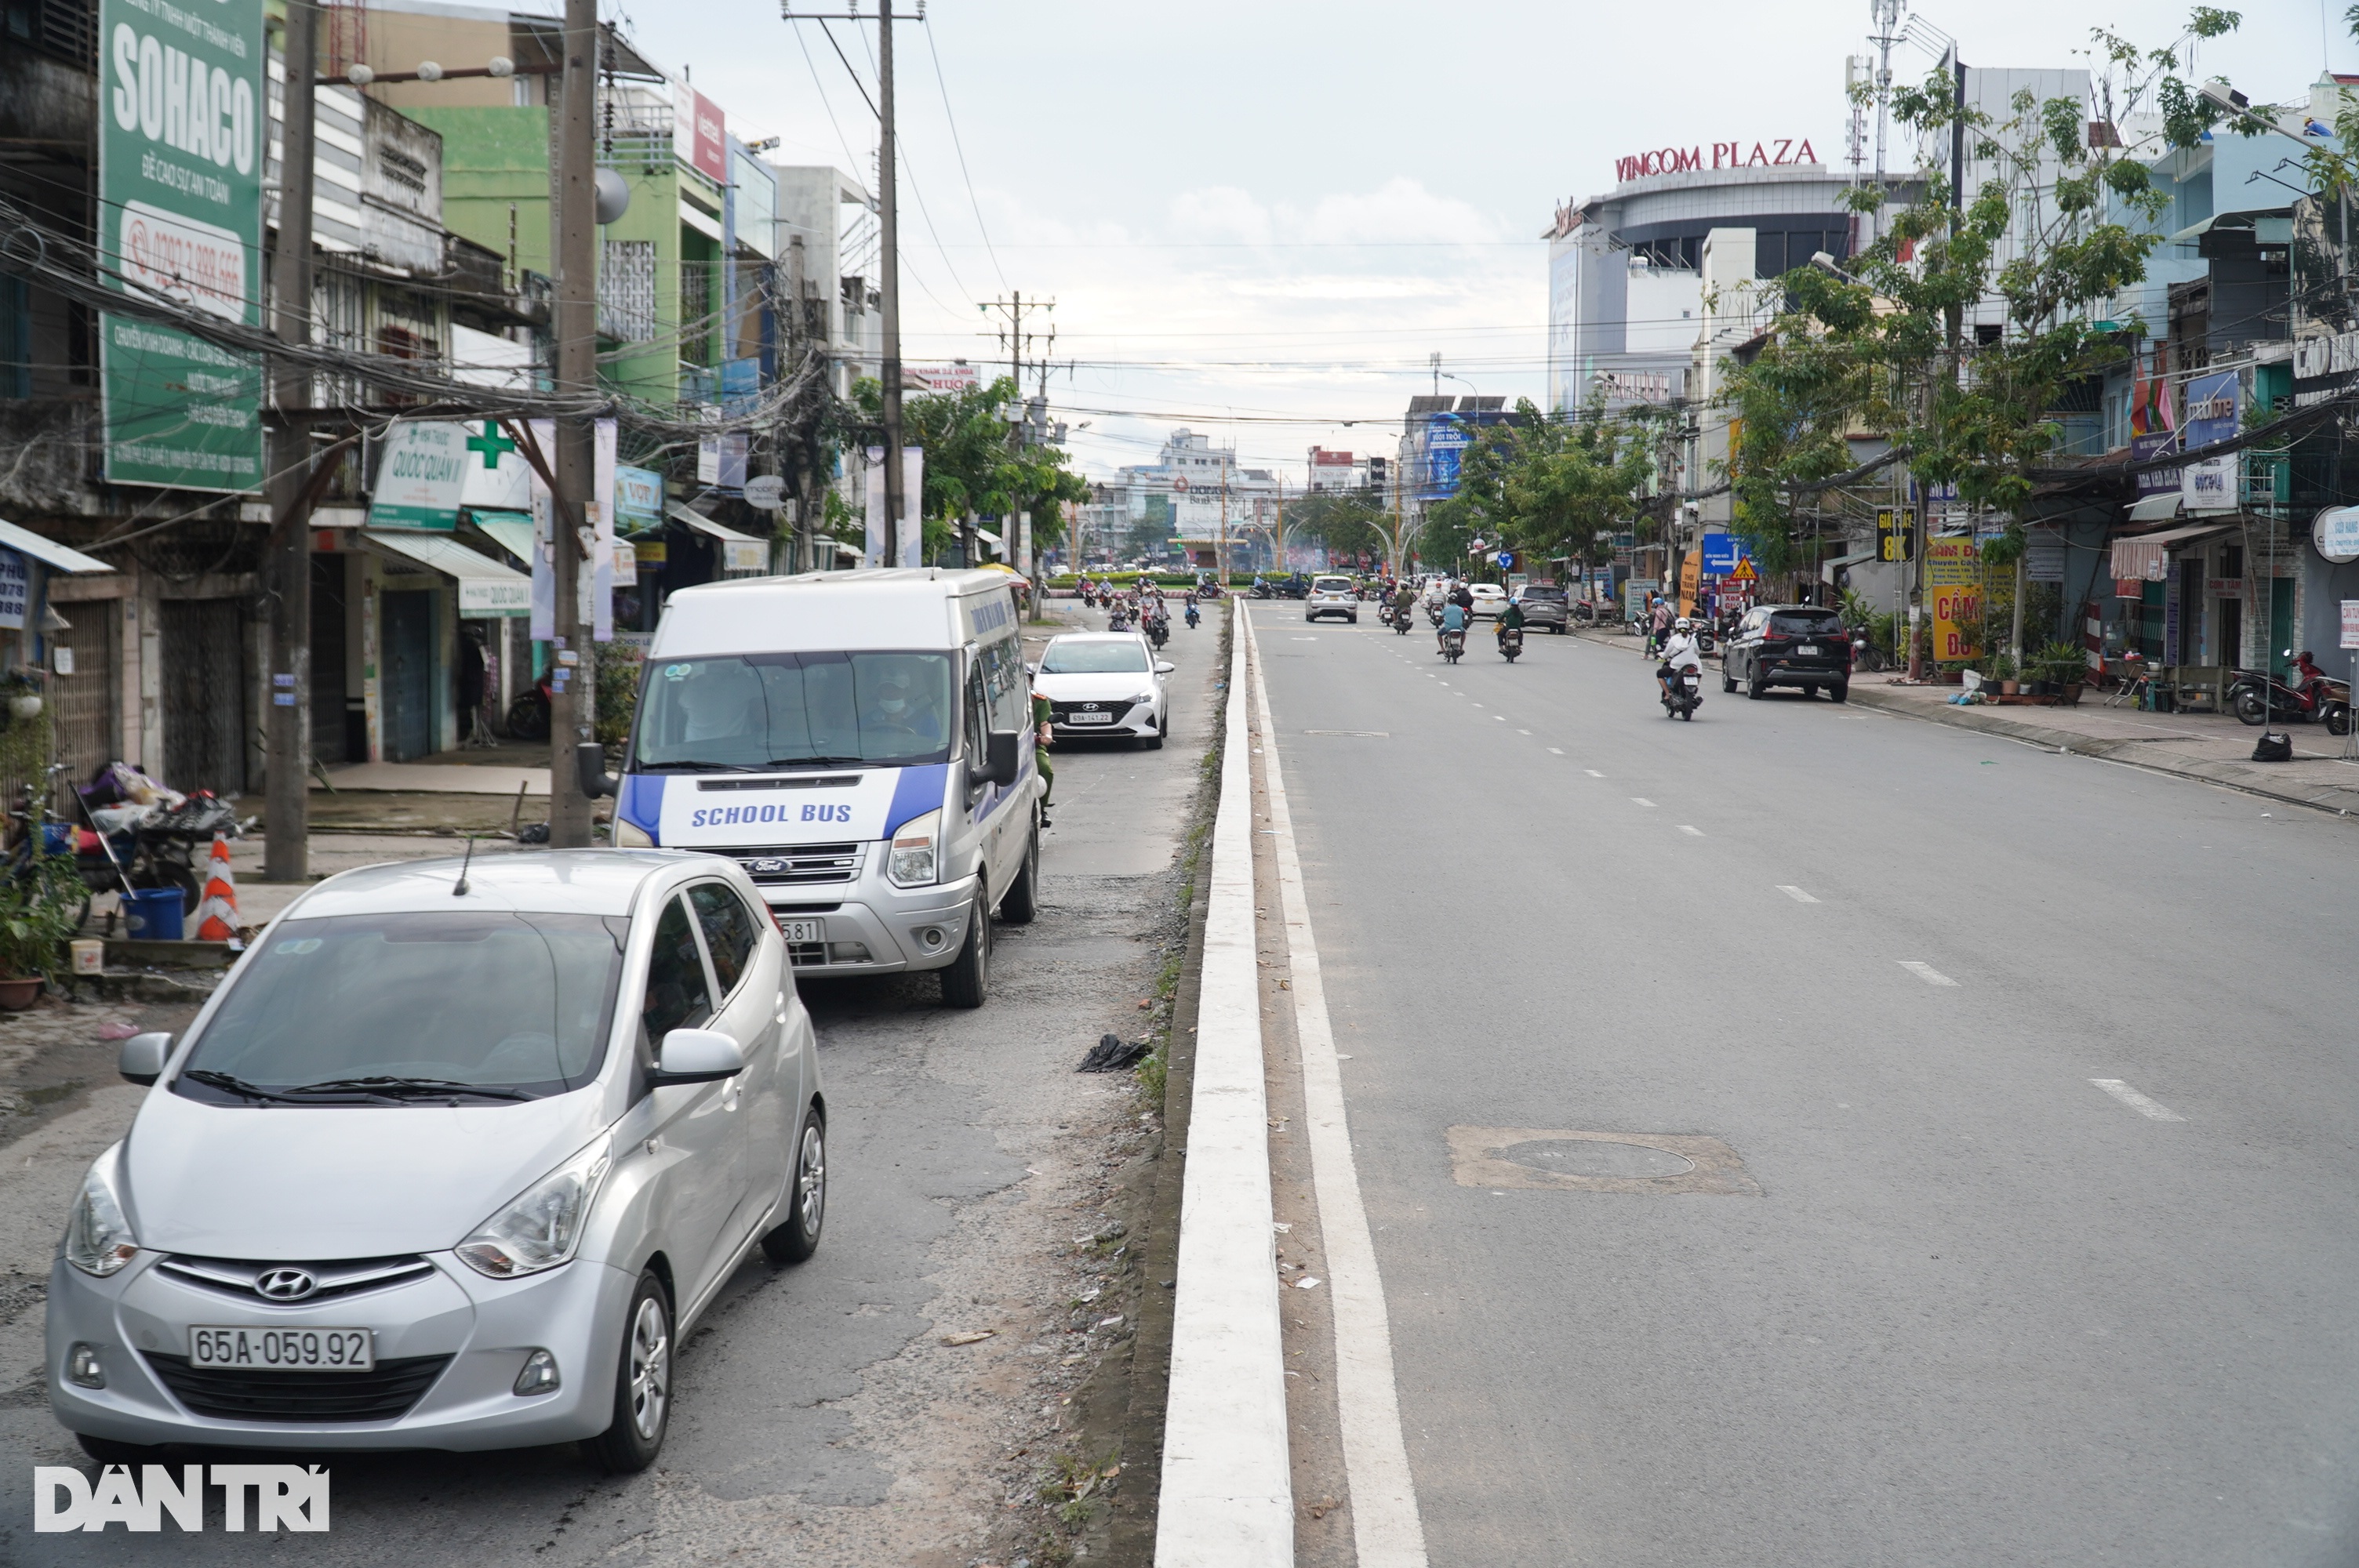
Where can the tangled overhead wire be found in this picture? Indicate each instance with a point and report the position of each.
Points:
(67, 266)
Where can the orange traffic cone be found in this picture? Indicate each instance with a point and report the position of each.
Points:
(217, 912)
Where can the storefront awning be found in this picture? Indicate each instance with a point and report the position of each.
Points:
(486, 587)
(2157, 508)
(512, 531)
(49, 552)
(2269, 224)
(739, 552)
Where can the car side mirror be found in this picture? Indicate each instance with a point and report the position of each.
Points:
(1032, 666)
(698, 1056)
(999, 756)
(141, 1060)
(590, 765)
(1164, 666)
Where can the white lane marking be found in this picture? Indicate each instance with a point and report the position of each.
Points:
(1500, 717)
(1642, 800)
(1796, 894)
(1386, 1529)
(1926, 972)
(1593, 773)
(1556, 750)
(1526, 732)
(2136, 1101)
(1693, 832)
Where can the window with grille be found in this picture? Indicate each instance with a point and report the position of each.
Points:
(626, 291)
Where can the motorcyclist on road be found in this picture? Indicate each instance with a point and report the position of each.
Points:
(1463, 597)
(1453, 619)
(1678, 653)
(1659, 620)
(1404, 601)
(1192, 616)
(1512, 615)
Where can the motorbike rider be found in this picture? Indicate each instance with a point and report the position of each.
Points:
(1453, 619)
(1678, 655)
(1192, 616)
(1512, 615)
(1659, 620)
(1404, 601)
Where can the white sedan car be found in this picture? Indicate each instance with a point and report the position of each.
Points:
(1105, 682)
(1489, 598)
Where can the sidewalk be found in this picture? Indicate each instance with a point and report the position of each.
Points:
(2211, 747)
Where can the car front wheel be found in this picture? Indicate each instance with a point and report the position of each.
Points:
(798, 1238)
(642, 1383)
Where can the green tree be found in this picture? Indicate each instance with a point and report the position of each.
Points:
(1546, 487)
(1342, 521)
(971, 464)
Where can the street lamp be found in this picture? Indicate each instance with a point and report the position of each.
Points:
(2228, 101)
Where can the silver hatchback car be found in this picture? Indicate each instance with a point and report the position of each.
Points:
(451, 1161)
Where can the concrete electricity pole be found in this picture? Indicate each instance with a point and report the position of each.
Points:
(574, 248)
(888, 220)
(286, 795)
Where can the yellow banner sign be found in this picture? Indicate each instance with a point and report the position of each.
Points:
(1953, 572)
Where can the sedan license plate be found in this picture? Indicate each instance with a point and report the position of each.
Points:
(249, 1348)
(1092, 718)
(1808, 650)
(803, 930)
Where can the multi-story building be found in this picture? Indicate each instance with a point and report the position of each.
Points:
(1191, 500)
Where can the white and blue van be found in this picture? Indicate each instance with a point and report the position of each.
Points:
(861, 742)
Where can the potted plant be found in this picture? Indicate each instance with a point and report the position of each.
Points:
(23, 693)
(41, 909)
(2061, 667)
(2003, 671)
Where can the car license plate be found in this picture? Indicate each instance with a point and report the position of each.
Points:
(256, 1349)
(1092, 718)
(1808, 650)
(803, 930)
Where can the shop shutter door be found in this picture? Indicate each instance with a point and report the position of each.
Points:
(204, 696)
(88, 702)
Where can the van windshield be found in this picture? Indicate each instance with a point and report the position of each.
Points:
(743, 712)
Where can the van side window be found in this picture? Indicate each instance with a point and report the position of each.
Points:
(978, 715)
(678, 997)
(1006, 685)
(730, 932)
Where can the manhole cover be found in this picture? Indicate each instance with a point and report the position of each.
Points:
(1556, 1159)
(1579, 1157)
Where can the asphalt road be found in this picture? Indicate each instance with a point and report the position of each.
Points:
(820, 1420)
(1962, 1305)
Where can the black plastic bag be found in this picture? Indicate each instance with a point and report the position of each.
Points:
(1112, 1053)
(2273, 747)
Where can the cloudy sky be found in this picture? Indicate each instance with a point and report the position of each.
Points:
(1261, 219)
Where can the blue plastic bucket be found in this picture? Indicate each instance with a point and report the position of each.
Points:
(153, 914)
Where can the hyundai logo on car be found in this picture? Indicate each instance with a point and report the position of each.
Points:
(284, 1284)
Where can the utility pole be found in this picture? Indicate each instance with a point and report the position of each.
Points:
(1015, 342)
(285, 794)
(799, 354)
(573, 250)
(889, 221)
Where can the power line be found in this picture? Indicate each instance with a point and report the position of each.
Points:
(960, 146)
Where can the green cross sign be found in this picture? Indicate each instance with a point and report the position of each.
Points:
(491, 443)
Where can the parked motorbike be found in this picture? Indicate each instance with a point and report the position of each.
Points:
(1511, 643)
(1704, 638)
(2257, 698)
(1685, 696)
(1585, 613)
(1453, 644)
(529, 714)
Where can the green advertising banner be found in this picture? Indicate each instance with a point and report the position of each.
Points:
(184, 126)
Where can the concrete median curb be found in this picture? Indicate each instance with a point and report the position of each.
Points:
(1226, 1496)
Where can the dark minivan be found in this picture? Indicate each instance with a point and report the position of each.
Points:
(1788, 644)
(1543, 604)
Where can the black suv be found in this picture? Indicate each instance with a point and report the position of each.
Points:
(1788, 644)
(1543, 605)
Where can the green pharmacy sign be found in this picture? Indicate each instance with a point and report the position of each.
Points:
(184, 121)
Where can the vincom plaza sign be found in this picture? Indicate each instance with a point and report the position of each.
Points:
(183, 124)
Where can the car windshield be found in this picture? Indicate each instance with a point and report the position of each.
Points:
(1805, 623)
(1065, 658)
(751, 711)
(413, 1009)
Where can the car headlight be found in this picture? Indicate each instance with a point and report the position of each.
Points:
(98, 1238)
(540, 1227)
(913, 862)
(630, 835)
(1144, 697)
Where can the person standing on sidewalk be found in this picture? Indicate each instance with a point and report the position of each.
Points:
(1044, 738)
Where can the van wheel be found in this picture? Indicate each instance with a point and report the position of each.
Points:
(798, 1238)
(642, 1383)
(1021, 901)
(1756, 689)
(1840, 691)
(968, 980)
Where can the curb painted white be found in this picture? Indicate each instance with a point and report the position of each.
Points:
(1227, 1497)
(1386, 1529)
